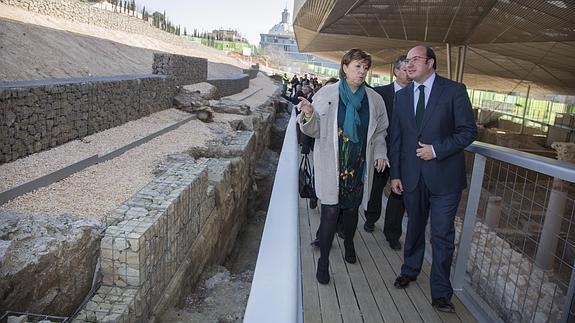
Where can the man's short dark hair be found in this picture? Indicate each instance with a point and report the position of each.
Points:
(398, 61)
(431, 54)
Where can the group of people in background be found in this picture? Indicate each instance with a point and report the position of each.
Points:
(412, 132)
(302, 86)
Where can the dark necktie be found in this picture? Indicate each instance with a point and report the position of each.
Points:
(420, 110)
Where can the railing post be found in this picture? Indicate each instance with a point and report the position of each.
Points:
(469, 222)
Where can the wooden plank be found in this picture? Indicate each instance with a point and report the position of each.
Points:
(375, 302)
(328, 299)
(341, 280)
(403, 303)
(423, 282)
(414, 291)
(310, 294)
(462, 312)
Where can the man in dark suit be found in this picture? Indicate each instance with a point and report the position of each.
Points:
(394, 209)
(432, 124)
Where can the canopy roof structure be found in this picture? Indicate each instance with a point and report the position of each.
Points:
(510, 43)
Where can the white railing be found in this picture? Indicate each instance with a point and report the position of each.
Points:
(275, 295)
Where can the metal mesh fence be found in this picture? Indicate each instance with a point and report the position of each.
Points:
(523, 249)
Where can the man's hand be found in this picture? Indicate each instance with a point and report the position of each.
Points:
(425, 152)
(305, 106)
(396, 186)
(380, 165)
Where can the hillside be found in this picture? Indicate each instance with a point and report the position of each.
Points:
(33, 46)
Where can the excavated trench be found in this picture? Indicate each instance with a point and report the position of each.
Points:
(222, 291)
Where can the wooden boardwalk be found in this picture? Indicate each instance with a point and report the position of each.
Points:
(364, 291)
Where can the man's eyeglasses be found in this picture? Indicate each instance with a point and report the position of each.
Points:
(414, 59)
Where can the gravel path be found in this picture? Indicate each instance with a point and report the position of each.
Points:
(98, 190)
(31, 167)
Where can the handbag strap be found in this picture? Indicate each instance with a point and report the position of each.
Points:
(306, 164)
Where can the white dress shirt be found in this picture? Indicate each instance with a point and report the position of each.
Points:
(428, 86)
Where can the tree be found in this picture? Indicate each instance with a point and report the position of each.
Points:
(185, 32)
(125, 6)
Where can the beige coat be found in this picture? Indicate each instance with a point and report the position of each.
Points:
(323, 127)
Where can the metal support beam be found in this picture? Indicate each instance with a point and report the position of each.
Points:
(457, 60)
(463, 53)
(525, 109)
(369, 76)
(448, 45)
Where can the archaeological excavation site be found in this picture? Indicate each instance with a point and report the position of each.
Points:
(122, 187)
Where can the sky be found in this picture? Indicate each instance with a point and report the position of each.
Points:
(249, 17)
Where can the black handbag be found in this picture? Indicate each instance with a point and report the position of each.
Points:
(306, 184)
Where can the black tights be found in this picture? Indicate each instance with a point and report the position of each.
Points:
(328, 227)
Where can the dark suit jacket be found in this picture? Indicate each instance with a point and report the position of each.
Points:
(448, 124)
(387, 92)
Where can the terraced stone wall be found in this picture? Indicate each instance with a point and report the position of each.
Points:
(38, 115)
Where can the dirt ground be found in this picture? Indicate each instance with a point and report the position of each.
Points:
(34, 47)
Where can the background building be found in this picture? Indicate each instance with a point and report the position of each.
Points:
(280, 45)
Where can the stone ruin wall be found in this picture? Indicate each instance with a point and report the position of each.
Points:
(158, 242)
(76, 11)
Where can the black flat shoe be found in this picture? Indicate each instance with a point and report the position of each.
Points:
(394, 244)
(350, 256)
(368, 227)
(315, 243)
(402, 282)
(322, 274)
(443, 305)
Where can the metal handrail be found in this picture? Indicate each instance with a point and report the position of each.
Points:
(274, 295)
(552, 167)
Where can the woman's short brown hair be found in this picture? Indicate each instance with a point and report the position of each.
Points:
(352, 55)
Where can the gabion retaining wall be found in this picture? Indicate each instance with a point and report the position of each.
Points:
(38, 115)
(184, 69)
(231, 85)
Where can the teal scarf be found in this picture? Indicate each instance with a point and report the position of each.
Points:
(352, 103)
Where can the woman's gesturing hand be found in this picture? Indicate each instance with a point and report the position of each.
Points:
(305, 106)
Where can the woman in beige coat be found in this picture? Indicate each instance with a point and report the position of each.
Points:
(348, 121)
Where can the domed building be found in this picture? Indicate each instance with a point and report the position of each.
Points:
(280, 41)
